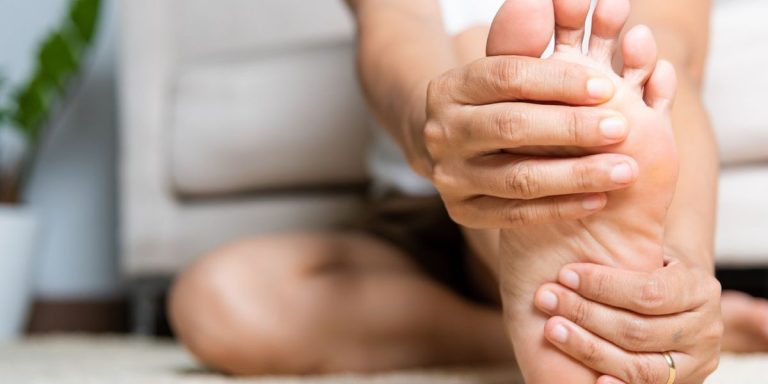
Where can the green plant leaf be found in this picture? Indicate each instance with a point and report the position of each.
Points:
(84, 14)
(56, 59)
(33, 103)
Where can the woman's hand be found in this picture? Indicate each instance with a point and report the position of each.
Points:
(480, 130)
(618, 322)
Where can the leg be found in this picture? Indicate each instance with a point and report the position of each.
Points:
(746, 323)
(316, 303)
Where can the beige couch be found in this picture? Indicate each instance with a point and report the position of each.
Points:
(242, 117)
(238, 117)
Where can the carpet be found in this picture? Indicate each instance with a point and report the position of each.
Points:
(90, 360)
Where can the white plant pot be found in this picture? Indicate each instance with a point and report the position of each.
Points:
(18, 240)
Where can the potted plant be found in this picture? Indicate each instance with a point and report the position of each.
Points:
(25, 111)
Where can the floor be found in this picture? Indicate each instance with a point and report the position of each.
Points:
(88, 360)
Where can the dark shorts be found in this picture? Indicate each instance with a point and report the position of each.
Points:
(422, 228)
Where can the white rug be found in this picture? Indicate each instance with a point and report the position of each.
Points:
(89, 360)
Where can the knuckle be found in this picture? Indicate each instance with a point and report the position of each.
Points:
(581, 312)
(653, 294)
(507, 74)
(441, 178)
(519, 181)
(565, 75)
(583, 179)
(557, 211)
(573, 126)
(435, 136)
(645, 371)
(459, 213)
(711, 365)
(517, 216)
(636, 333)
(602, 285)
(716, 331)
(591, 354)
(510, 125)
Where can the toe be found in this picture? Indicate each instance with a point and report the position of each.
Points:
(607, 22)
(639, 52)
(570, 16)
(661, 87)
(522, 28)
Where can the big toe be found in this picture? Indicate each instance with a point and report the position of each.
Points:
(521, 28)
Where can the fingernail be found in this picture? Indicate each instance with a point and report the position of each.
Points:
(612, 381)
(599, 88)
(613, 128)
(548, 300)
(593, 203)
(570, 279)
(622, 173)
(560, 334)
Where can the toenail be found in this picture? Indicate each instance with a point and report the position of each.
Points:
(599, 88)
(593, 203)
(548, 300)
(570, 279)
(560, 334)
(622, 173)
(613, 128)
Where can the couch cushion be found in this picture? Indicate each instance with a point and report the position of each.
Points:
(742, 228)
(736, 84)
(206, 28)
(287, 119)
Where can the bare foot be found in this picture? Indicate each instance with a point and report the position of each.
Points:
(746, 323)
(629, 231)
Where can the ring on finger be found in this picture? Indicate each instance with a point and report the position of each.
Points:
(672, 369)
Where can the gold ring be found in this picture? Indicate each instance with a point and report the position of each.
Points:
(672, 369)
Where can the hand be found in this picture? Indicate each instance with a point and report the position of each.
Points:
(617, 322)
(476, 116)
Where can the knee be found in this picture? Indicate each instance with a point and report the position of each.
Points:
(247, 308)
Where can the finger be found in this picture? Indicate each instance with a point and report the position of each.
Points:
(606, 358)
(672, 289)
(605, 379)
(630, 331)
(510, 78)
(511, 125)
(485, 212)
(514, 177)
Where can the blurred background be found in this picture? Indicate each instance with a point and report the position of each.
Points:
(137, 135)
